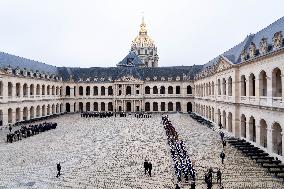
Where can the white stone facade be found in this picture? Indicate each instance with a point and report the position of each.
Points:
(247, 99)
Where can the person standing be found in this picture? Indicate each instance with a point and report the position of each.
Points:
(150, 168)
(219, 177)
(222, 156)
(146, 166)
(224, 143)
(58, 170)
(10, 128)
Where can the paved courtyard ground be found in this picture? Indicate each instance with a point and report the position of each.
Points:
(109, 153)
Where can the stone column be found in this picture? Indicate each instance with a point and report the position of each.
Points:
(14, 91)
(28, 91)
(5, 117)
(247, 123)
(257, 128)
(269, 139)
(282, 133)
(5, 91)
(282, 81)
(269, 90)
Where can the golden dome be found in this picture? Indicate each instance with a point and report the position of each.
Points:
(143, 40)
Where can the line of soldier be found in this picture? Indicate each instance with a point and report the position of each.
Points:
(30, 130)
(96, 114)
(143, 115)
(182, 162)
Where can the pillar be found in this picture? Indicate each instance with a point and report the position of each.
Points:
(269, 139)
(247, 124)
(257, 134)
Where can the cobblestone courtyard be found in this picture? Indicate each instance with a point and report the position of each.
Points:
(109, 153)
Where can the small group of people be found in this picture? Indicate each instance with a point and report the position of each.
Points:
(224, 144)
(208, 178)
(30, 130)
(183, 165)
(148, 167)
(143, 115)
(96, 114)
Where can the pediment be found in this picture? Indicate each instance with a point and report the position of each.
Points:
(128, 78)
(223, 64)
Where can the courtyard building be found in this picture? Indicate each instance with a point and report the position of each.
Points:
(241, 89)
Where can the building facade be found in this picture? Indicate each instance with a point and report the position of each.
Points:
(242, 89)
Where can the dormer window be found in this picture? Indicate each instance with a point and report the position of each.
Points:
(263, 49)
(243, 55)
(130, 61)
(277, 40)
(252, 50)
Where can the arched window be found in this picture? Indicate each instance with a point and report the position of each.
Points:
(155, 106)
(147, 90)
(162, 90)
(276, 83)
(262, 83)
(32, 89)
(67, 91)
(81, 91)
(147, 106)
(88, 91)
(163, 106)
(25, 90)
(96, 107)
(230, 86)
(110, 107)
(155, 90)
(177, 89)
(110, 91)
(188, 89)
(277, 139)
(170, 90)
(251, 85)
(224, 83)
(128, 90)
(243, 86)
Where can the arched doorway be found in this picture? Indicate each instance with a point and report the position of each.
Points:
(147, 106)
(252, 129)
(263, 133)
(128, 106)
(67, 107)
(243, 126)
(277, 139)
(189, 107)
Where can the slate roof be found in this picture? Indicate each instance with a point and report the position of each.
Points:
(30, 65)
(138, 72)
(135, 60)
(234, 54)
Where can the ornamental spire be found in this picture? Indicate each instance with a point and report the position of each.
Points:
(143, 30)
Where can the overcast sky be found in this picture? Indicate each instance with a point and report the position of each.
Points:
(89, 33)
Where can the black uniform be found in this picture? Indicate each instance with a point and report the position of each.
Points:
(150, 168)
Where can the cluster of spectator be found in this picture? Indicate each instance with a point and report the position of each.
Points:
(30, 130)
(182, 163)
(96, 114)
(143, 115)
